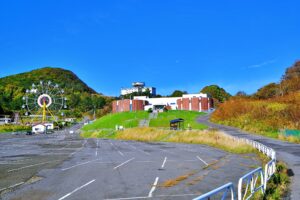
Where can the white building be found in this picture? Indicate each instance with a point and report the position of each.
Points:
(41, 128)
(5, 120)
(138, 87)
(159, 103)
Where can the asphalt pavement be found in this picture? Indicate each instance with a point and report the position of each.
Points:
(64, 166)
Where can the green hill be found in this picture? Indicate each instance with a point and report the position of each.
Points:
(81, 98)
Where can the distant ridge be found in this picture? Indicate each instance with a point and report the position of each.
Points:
(65, 78)
(81, 98)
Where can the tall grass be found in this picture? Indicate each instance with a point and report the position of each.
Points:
(266, 117)
(208, 137)
(13, 128)
(163, 119)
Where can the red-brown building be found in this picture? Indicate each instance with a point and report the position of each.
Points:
(195, 102)
(127, 105)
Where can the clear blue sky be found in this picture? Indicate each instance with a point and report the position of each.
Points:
(169, 44)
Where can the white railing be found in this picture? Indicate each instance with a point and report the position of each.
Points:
(224, 190)
(253, 181)
(250, 183)
(270, 169)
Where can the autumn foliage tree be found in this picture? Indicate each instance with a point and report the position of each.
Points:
(291, 79)
(216, 92)
(269, 91)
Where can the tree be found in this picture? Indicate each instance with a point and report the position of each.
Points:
(216, 92)
(268, 91)
(178, 93)
(1, 110)
(291, 78)
(241, 94)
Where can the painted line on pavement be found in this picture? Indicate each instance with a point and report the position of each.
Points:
(17, 169)
(120, 153)
(79, 188)
(12, 186)
(116, 149)
(79, 164)
(96, 153)
(83, 144)
(123, 163)
(202, 160)
(163, 165)
(153, 187)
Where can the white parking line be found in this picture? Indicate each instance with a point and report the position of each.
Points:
(202, 160)
(153, 187)
(96, 153)
(17, 169)
(79, 164)
(12, 186)
(82, 146)
(79, 188)
(120, 153)
(116, 149)
(123, 163)
(163, 165)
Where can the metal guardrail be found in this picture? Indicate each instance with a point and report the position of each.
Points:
(227, 188)
(270, 169)
(249, 184)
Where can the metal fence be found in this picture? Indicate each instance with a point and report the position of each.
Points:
(224, 190)
(250, 183)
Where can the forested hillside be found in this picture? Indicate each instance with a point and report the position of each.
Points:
(81, 98)
(272, 109)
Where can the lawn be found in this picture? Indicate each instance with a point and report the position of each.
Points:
(190, 117)
(125, 119)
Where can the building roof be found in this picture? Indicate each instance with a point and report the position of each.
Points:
(176, 120)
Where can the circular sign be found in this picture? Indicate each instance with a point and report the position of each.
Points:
(44, 99)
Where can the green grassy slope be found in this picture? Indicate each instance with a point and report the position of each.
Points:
(163, 119)
(126, 119)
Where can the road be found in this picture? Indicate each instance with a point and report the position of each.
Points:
(64, 166)
(287, 152)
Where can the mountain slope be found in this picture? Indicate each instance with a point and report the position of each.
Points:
(65, 79)
(81, 98)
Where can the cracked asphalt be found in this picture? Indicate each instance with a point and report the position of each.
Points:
(64, 166)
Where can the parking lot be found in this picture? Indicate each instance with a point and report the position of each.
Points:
(65, 166)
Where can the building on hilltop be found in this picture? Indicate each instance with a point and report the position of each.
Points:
(138, 87)
(194, 102)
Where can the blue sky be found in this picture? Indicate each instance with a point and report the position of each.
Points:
(169, 44)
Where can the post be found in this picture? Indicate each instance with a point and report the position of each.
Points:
(44, 112)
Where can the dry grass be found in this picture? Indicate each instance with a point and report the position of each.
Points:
(265, 117)
(177, 180)
(142, 134)
(208, 137)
